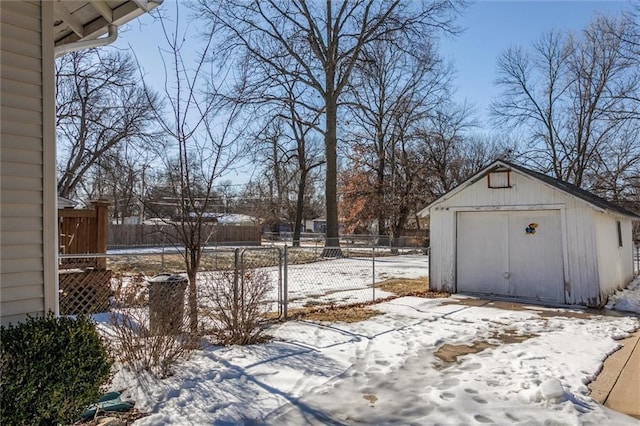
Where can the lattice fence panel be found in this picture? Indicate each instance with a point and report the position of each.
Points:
(84, 292)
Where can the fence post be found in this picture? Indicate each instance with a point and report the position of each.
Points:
(373, 275)
(236, 275)
(285, 284)
(101, 207)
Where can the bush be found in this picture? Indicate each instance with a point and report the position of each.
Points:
(237, 306)
(143, 342)
(51, 369)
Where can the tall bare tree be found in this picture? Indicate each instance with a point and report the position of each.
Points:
(392, 91)
(573, 96)
(287, 157)
(101, 105)
(325, 40)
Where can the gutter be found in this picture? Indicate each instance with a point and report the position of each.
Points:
(88, 44)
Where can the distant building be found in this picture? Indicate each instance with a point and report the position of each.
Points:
(318, 225)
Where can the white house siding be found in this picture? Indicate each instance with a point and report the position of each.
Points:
(26, 129)
(578, 236)
(616, 266)
(442, 255)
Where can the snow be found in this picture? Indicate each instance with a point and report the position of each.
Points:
(385, 371)
(626, 300)
(348, 280)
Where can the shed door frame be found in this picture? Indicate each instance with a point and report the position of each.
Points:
(507, 209)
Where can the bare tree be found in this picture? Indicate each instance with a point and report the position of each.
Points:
(293, 150)
(287, 158)
(573, 96)
(201, 143)
(392, 90)
(117, 178)
(325, 40)
(272, 153)
(445, 147)
(101, 106)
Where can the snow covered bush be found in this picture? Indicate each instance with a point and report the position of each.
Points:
(51, 369)
(236, 304)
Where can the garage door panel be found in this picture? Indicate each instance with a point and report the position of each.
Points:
(535, 256)
(482, 256)
(511, 253)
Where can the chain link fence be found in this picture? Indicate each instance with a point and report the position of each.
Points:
(356, 275)
(125, 279)
(294, 277)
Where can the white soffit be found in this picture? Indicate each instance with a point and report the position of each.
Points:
(85, 20)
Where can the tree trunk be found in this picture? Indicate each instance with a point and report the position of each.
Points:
(299, 208)
(192, 272)
(380, 196)
(332, 242)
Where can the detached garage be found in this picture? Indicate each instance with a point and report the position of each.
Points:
(512, 232)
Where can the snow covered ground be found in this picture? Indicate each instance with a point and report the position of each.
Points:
(385, 371)
(627, 300)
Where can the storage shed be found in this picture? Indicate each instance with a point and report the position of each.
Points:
(511, 232)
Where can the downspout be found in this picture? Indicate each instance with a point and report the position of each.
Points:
(88, 44)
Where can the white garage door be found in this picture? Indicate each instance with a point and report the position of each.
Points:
(511, 253)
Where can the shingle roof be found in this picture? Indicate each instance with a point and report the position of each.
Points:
(556, 183)
(573, 190)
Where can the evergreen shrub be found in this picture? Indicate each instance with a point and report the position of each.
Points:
(51, 369)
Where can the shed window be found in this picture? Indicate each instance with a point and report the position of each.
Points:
(499, 179)
(619, 233)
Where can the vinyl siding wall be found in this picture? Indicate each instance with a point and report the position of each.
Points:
(577, 223)
(25, 129)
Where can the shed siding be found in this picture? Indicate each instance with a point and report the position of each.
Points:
(616, 265)
(525, 193)
(22, 261)
(442, 254)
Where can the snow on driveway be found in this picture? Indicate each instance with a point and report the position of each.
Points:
(385, 371)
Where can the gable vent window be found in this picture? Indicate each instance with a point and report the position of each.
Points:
(499, 179)
(619, 233)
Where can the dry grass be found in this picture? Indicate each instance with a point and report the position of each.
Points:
(214, 260)
(405, 286)
(348, 314)
(332, 313)
(450, 353)
(361, 311)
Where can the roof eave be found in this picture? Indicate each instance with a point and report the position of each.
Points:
(98, 26)
(530, 174)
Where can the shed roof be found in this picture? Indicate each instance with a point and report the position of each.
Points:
(566, 187)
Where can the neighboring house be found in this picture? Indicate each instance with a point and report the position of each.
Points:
(237, 219)
(509, 231)
(33, 33)
(65, 203)
(228, 218)
(318, 225)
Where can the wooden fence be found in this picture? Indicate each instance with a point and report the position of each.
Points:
(166, 235)
(83, 231)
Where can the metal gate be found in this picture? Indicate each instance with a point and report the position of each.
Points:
(270, 261)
